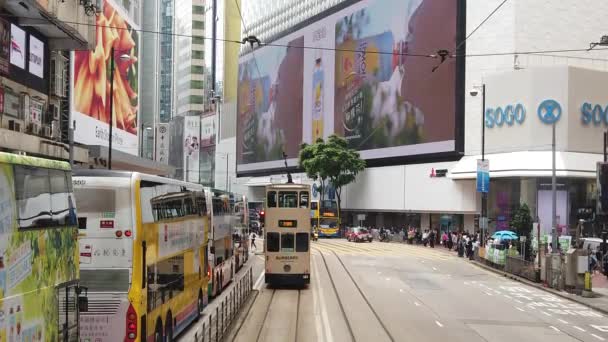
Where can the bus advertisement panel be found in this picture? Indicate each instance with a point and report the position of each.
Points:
(38, 250)
(357, 78)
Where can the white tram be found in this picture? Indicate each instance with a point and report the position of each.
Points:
(287, 234)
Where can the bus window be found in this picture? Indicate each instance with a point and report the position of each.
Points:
(302, 242)
(287, 242)
(288, 199)
(304, 199)
(272, 242)
(271, 199)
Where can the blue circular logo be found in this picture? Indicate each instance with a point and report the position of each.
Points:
(549, 111)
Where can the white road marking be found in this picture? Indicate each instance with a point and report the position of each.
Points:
(507, 296)
(400, 290)
(598, 337)
(416, 303)
(520, 309)
(434, 268)
(561, 320)
(579, 328)
(497, 292)
(488, 293)
(546, 313)
(554, 328)
(439, 324)
(258, 283)
(387, 279)
(324, 316)
(519, 301)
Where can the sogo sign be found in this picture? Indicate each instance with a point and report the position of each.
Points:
(508, 115)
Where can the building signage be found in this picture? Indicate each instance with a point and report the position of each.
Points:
(36, 57)
(5, 46)
(508, 115)
(549, 111)
(162, 143)
(191, 148)
(595, 114)
(17, 46)
(36, 106)
(438, 173)
(483, 175)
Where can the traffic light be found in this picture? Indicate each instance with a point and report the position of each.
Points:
(602, 188)
(262, 216)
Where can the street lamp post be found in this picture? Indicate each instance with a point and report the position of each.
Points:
(122, 57)
(483, 220)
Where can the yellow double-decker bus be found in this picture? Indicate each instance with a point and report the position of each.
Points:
(324, 215)
(38, 251)
(143, 254)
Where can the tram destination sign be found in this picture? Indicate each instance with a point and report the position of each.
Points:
(288, 223)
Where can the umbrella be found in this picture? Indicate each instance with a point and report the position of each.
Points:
(505, 235)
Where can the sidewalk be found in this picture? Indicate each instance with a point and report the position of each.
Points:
(599, 284)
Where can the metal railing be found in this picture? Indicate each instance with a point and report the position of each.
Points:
(522, 268)
(216, 323)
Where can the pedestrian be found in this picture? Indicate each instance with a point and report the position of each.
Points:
(432, 238)
(444, 239)
(253, 241)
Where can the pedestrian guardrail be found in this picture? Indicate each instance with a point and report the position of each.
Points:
(215, 324)
(522, 268)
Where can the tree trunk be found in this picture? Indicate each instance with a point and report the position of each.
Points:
(339, 203)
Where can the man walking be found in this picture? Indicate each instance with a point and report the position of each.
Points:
(253, 236)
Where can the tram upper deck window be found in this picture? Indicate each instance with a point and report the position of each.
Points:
(304, 199)
(288, 199)
(271, 199)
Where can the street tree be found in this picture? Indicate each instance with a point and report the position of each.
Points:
(332, 161)
(522, 222)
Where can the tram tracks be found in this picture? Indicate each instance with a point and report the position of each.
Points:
(279, 319)
(341, 302)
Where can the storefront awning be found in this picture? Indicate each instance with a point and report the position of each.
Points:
(529, 164)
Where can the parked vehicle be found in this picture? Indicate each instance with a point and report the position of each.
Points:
(359, 234)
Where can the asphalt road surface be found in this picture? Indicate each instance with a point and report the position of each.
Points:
(393, 292)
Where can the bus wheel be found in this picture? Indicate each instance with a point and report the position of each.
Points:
(169, 329)
(158, 331)
(200, 305)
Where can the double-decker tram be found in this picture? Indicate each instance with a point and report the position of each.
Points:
(143, 254)
(287, 234)
(240, 230)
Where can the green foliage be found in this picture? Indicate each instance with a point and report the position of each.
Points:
(522, 222)
(331, 161)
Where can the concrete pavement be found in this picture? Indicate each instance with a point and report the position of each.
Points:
(395, 292)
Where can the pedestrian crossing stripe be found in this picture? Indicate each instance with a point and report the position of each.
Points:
(388, 249)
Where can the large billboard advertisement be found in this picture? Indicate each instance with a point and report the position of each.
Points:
(364, 72)
(91, 84)
(192, 131)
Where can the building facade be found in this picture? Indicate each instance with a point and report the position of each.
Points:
(34, 74)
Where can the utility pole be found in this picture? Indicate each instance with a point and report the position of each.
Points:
(484, 195)
(554, 194)
(111, 108)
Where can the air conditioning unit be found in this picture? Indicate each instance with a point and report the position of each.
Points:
(59, 75)
(33, 128)
(15, 125)
(54, 112)
(47, 132)
(55, 130)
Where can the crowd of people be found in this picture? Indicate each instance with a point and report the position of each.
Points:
(463, 243)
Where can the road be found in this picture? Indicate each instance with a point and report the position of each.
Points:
(394, 292)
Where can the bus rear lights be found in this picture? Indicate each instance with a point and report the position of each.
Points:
(131, 324)
(118, 233)
(128, 233)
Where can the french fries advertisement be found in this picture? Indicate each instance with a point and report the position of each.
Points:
(92, 89)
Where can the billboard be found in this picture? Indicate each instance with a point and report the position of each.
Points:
(5, 46)
(361, 71)
(17, 46)
(91, 87)
(208, 131)
(191, 144)
(36, 57)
